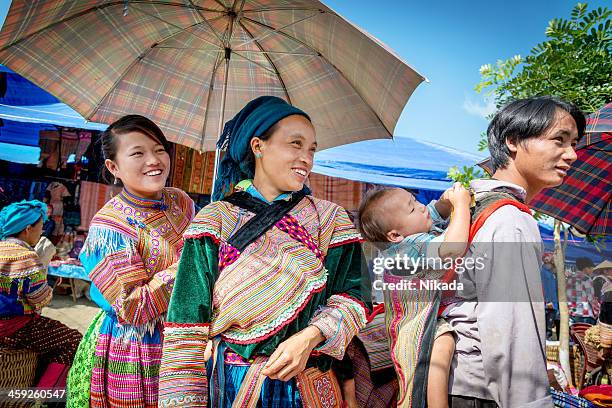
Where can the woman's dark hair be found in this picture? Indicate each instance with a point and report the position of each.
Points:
(250, 159)
(127, 124)
(524, 119)
(584, 262)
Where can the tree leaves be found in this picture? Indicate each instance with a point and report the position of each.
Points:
(574, 63)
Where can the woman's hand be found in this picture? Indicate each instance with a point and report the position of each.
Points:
(290, 357)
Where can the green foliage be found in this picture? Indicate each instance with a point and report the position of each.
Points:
(574, 63)
(482, 143)
(598, 241)
(465, 175)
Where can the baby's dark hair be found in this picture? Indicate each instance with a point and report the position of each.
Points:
(127, 124)
(371, 223)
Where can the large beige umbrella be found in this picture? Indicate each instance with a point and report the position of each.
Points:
(188, 65)
(168, 60)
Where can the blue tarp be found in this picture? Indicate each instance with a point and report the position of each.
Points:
(25, 102)
(19, 154)
(20, 133)
(576, 247)
(401, 162)
(56, 113)
(25, 110)
(20, 91)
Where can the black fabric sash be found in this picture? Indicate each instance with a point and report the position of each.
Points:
(266, 215)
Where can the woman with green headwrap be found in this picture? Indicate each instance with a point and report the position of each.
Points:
(24, 292)
(269, 276)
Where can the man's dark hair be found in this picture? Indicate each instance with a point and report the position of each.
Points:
(524, 119)
(584, 262)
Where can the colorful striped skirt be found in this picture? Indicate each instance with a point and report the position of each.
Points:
(125, 365)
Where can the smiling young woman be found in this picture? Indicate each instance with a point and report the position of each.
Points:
(270, 276)
(131, 253)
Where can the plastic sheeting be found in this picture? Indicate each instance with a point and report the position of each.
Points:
(25, 110)
(401, 162)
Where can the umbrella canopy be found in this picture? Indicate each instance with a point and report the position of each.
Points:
(189, 64)
(583, 200)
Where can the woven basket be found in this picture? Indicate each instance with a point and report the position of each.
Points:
(576, 360)
(18, 368)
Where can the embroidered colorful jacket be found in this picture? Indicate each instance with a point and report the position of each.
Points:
(131, 255)
(23, 280)
(129, 248)
(305, 270)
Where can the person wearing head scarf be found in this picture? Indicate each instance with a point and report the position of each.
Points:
(24, 292)
(269, 278)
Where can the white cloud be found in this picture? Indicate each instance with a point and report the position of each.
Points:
(479, 108)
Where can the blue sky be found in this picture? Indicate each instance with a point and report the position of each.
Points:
(448, 41)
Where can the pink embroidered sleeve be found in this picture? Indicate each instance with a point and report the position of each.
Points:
(182, 377)
(339, 321)
(136, 298)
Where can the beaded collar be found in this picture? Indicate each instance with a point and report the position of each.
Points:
(140, 202)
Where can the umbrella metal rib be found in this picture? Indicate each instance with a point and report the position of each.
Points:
(199, 13)
(258, 45)
(324, 59)
(281, 28)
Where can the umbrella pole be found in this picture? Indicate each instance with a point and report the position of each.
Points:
(228, 53)
(559, 260)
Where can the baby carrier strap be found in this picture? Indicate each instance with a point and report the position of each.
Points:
(487, 205)
(266, 215)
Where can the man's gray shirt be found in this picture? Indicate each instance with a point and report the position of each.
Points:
(500, 326)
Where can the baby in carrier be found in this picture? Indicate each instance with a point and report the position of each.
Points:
(411, 236)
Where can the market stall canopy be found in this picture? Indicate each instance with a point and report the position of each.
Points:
(401, 162)
(25, 102)
(55, 114)
(25, 111)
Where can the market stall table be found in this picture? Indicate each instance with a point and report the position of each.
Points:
(69, 271)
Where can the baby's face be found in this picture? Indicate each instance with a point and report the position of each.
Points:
(405, 215)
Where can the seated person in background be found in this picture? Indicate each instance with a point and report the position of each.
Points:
(393, 216)
(583, 305)
(24, 291)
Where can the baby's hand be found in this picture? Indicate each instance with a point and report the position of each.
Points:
(458, 195)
